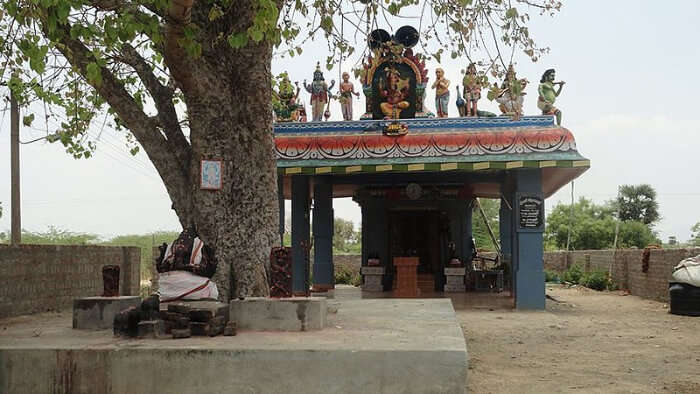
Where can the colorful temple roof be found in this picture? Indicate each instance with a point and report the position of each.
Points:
(431, 145)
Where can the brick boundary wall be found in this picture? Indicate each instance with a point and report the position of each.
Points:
(41, 278)
(625, 266)
(350, 261)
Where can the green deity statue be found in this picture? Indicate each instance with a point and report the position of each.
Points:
(548, 95)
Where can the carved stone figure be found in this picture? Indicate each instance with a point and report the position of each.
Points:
(442, 93)
(319, 94)
(548, 95)
(285, 104)
(346, 91)
(510, 95)
(472, 91)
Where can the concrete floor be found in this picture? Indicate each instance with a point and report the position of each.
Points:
(369, 345)
(460, 301)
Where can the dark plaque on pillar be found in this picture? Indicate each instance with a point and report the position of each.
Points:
(530, 212)
(281, 272)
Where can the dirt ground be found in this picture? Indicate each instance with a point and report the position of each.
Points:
(587, 342)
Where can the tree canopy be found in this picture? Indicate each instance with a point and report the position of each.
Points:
(345, 238)
(491, 209)
(637, 203)
(593, 227)
(695, 236)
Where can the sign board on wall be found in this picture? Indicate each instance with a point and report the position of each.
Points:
(530, 212)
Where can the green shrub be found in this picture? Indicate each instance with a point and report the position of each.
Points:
(596, 280)
(551, 276)
(347, 276)
(573, 274)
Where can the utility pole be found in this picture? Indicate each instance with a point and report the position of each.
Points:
(16, 221)
(571, 217)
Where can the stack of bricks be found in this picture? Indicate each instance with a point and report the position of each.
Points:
(183, 320)
(406, 277)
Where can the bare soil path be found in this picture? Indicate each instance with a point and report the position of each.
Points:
(588, 342)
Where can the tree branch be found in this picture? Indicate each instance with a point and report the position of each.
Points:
(163, 98)
(144, 128)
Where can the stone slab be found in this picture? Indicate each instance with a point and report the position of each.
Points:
(452, 288)
(372, 270)
(380, 346)
(97, 313)
(373, 283)
(279, 314)
(455, 271)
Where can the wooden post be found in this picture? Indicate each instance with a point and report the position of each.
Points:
(16, 223)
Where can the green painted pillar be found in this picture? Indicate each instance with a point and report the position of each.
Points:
(323, 278)
(528, 227)
(300, 233)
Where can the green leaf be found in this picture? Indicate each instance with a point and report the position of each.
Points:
(256, 35)
(93, 73)
(238, 40)
(27, 120)
(327, 24)
(512, 13)
(215, 13)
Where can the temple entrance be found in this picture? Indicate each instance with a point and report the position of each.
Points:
(418, 233)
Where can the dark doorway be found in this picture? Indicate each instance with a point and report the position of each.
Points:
(417, 233)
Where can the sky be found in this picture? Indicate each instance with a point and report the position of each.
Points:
(630, 98)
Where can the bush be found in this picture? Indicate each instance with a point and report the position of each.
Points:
(573, 274)
(347, 276)
(551, 276)
(596, 280)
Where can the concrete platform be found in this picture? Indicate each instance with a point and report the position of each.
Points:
(370, 346)
(97, 313)
(279, 314)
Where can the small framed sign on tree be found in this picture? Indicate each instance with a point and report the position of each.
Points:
(210, 175)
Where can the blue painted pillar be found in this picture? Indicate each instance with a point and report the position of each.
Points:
(323, 277)
(300, 232)
(528, 262)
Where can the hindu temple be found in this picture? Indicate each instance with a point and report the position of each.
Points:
(416, 175)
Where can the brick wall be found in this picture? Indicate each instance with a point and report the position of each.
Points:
(626, 267)
(40, 278)
(351, 261)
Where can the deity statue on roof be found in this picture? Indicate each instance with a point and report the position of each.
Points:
(284, 100)
(510, 95)
(547, 95)
(394, 92)
(319, 94)
(442, 93)
(347, 89)
(473, 84)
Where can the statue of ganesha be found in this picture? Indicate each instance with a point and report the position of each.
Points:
(395, 93)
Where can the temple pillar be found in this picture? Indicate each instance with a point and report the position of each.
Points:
(505, 226)
(323, 278)
(300, 233)
(528, 227)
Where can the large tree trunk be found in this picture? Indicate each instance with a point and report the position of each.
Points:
(233, 123)
(228, 96)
